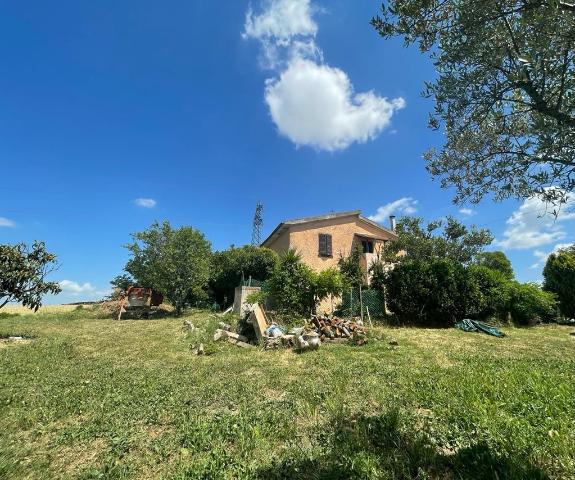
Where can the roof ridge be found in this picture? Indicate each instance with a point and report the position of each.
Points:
(329, 216)
(322, 217)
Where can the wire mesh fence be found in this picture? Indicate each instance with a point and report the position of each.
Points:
(251, 282)
(354, 300)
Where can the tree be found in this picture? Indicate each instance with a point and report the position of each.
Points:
(504, 92)
(328, 283)
(559, 278)
(378, 271)
(23, 273)
(230, 265)
(351, 270)
(120, 283)
(496, 261)
(297, 289)
(292, 284)
(438, 239)
(175, 262)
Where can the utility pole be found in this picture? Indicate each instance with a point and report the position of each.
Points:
(257, 226)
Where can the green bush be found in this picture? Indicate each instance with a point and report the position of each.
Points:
(528, 304)
(291, 285)
(295, 288)
(496, 261)
(427, 292)
(440, 292)
(229, 266)
(559, 275)
(488, 293)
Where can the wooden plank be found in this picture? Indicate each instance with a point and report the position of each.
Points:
(259, 322)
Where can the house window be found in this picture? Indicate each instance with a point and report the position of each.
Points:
(367, 246)
(325, 245)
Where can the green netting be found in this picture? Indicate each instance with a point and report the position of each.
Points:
(370, 299)
(252, 282)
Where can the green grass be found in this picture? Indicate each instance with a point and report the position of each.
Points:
(92, 399)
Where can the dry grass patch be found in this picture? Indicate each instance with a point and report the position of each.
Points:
(44, 309)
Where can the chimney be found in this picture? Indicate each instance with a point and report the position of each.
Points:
(392, 222)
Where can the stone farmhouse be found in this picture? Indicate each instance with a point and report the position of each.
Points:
(322, 240)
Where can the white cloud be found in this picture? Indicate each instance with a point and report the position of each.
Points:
(145, 202)
(281, 21)
(85, 290)
(75, 288)
(284, 28)
(543, 256)
(468, 212)
(310, 102)
(533, 225)
(403, 206)
(315, 105)
(5, 222)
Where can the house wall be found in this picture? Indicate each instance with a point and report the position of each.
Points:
(281, 243)
(304, 238)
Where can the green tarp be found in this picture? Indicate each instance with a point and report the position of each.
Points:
(468, 325)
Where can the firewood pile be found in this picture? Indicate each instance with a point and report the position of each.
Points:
(332, 329)
(318, 329)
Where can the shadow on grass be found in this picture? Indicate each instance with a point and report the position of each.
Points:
(374, 447)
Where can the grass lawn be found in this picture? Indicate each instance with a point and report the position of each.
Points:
(89, 398)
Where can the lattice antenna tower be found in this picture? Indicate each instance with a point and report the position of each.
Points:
(257, 225)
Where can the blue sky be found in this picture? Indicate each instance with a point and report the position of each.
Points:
(200, 111)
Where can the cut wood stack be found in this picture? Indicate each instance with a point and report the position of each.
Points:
(334, 328)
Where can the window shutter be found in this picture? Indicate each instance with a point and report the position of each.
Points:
(322, 244)
(325, 245)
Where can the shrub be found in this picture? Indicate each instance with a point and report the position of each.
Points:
(228, 267)
(257, 297)
(440, 292)
(292, 285)
(327, 283)
(497, 261)
(559, 275)
(528, 303)
(427, 292)
(296, 289)
(488, 293)
(350, 268)
(377, 270)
